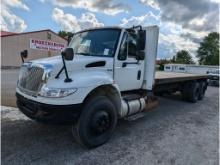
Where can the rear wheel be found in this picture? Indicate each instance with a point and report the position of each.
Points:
(202, 90)
(96, 122)
(191, 91)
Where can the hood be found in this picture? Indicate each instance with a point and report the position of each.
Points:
(78, 63)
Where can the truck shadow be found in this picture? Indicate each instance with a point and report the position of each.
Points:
(172, 96)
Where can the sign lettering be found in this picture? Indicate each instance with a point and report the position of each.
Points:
(46, 45)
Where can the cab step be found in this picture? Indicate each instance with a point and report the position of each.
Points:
(135, 116)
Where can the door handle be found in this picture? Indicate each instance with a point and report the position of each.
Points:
(139, 75)
(124, 64)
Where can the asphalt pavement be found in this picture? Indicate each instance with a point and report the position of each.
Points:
(176, 132)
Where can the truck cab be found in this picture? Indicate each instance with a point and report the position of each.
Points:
(95, 74)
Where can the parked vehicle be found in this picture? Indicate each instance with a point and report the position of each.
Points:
(104, 74)
(213, 77)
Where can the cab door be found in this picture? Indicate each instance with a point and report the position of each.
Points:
(128, 72)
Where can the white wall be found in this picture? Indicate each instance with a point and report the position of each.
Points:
(184, 68)
(198, 70)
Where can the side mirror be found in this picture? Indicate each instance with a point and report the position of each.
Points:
(24, 54)
(140, 55)
(142, 39)
(68, 54)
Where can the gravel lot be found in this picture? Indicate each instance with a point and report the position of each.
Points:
(175, 132)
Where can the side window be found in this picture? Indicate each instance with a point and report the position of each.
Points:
(132, 45)
(128, 47)
(123, 49)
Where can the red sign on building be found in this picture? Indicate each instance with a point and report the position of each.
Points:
(46, 45)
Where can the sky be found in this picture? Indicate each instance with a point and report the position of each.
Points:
(183, 23)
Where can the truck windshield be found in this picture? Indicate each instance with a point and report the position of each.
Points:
(99, 42)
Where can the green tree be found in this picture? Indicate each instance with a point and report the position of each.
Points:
(183, 57)
(64, 34)
(208, 51)
(162, 62)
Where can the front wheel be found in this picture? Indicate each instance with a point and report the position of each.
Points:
(96, 122)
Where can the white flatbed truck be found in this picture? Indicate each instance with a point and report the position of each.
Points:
(104, 74)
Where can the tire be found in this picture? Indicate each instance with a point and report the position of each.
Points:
(96, 123)
(185, 92)
(191, 92)
(202, 90)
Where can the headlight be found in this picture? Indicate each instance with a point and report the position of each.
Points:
(56, 92)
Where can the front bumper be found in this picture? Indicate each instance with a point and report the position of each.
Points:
(46, 112)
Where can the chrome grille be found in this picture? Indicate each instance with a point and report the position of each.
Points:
(30, 79)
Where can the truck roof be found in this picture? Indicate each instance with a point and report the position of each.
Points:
(103, 27)
(108, 27)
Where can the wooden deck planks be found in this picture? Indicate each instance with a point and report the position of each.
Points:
(171, 77)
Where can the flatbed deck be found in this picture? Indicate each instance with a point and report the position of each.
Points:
(162, 77)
